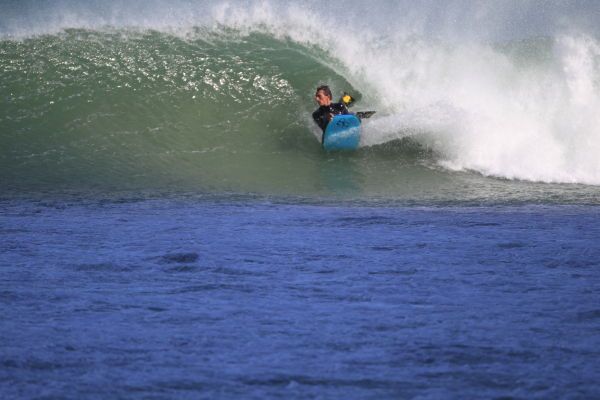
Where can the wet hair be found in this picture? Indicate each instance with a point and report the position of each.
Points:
(326, 90)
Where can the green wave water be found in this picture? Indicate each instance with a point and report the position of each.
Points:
(129, 110)
(136, 109)
(217, 111)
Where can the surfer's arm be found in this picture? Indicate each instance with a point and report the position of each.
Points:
(341, 108)
(321, 118)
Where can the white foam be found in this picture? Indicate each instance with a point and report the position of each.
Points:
(479, 108)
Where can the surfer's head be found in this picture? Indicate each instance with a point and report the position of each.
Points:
(323, 95)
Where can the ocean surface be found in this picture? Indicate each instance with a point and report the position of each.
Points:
(171, 228)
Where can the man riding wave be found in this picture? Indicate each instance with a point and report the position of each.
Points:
(327, 109)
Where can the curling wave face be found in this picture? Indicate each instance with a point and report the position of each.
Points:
(217, 97)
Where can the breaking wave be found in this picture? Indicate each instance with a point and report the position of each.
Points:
(218, 95)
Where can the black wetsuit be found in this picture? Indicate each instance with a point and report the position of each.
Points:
(321, 115)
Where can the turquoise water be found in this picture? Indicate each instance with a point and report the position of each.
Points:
(227, 110)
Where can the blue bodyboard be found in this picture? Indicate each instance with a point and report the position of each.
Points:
(342, 133)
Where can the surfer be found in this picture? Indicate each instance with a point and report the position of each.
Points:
(327, 109)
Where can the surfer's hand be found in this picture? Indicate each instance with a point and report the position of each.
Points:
(330, 117)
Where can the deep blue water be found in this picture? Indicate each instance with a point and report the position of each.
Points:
(207, 298)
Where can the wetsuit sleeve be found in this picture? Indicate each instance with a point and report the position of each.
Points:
(320, 117)
(340, 108)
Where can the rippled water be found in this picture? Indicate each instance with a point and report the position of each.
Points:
(205, 298)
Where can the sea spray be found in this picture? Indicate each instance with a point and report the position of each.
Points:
(484, 110)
